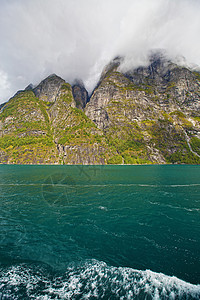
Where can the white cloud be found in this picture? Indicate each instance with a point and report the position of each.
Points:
(4, 86)
(76, 38)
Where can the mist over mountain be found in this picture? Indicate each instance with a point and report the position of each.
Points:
(76, 39)
(144, 115)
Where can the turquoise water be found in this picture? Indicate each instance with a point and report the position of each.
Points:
(99, 232)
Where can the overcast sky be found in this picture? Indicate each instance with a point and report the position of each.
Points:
(76, 38)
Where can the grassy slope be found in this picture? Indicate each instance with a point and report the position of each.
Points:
(26, 135)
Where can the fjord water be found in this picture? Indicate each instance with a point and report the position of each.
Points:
(99, 232)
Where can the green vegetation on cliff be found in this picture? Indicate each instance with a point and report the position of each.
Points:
(25, 130)
(146, 116)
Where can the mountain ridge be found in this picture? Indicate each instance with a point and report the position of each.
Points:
(146, 115)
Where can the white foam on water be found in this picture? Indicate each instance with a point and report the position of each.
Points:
(175, 207)
(100, 185)
(103, 208)
(93, 280)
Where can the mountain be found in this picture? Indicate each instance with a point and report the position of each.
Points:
(141, 116)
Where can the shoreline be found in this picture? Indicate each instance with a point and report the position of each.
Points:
(98, 165)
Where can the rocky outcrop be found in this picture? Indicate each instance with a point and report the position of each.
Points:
(80, 94)
(29, 87)
(172, 84)
(145, 112)
(48, 89)
(84, 154)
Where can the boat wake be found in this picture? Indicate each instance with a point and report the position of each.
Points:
(91, 280)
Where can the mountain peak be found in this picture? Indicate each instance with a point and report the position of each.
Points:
(111, 66)
(48, 88)
(147, 115)
(30, 87)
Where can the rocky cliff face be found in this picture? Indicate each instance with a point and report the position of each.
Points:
(49, 88)
(80, 94)
(44, 126)
(146, 115)
(149, 114)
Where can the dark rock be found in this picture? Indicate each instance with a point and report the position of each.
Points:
(30, 87)
(48, 89)
(80, 94)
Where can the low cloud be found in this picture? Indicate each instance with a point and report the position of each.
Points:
(76, 38)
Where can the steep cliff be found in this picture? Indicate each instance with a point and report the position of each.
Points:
(25, 131)
(80, 94)
(146, 115)
(49, 88)
(151, 114)
(49, 128)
